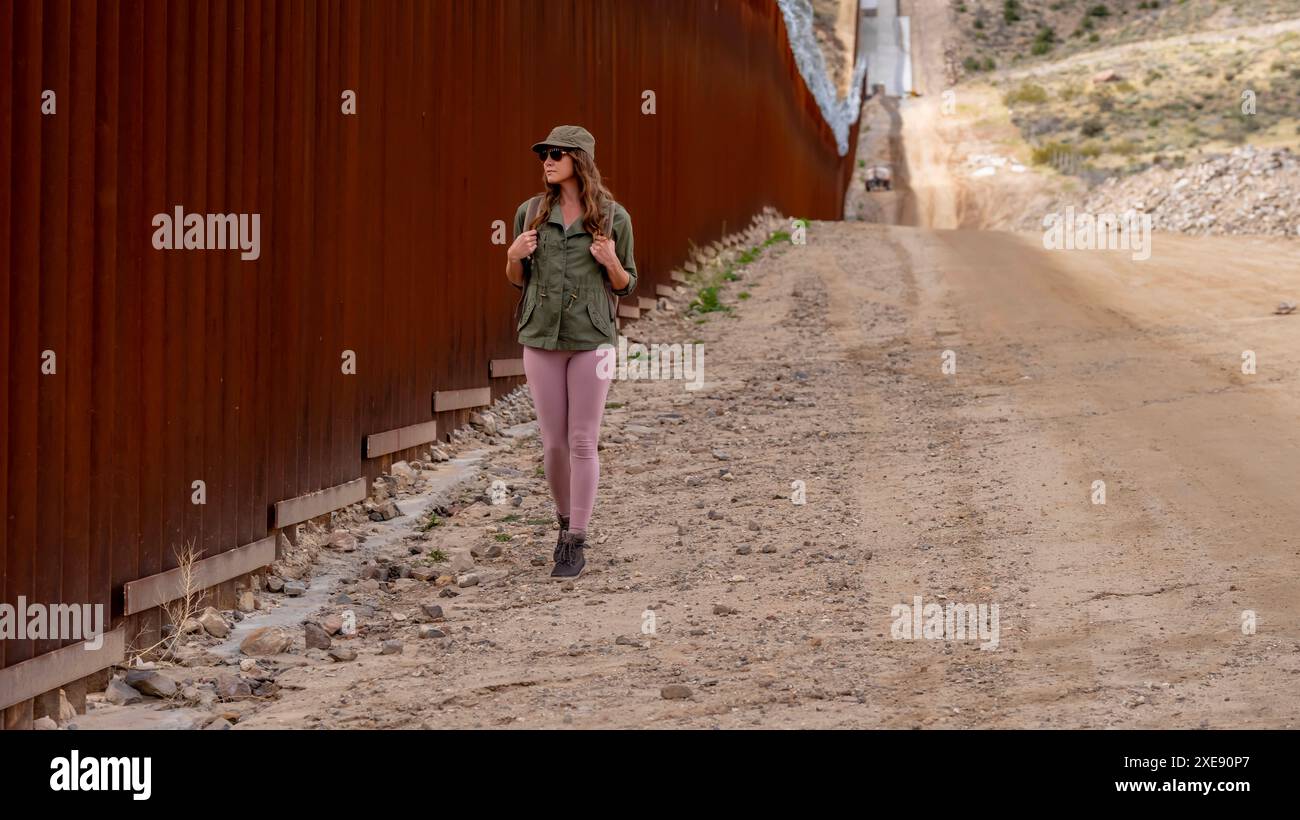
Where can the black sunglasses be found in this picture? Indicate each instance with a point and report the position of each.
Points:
(555, 153)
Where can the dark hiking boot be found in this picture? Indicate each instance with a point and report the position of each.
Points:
(564, 527)
(569, 560)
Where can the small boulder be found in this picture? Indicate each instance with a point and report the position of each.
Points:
(316, 637)
(461, 561)
(343, 541)
(213, 623)
(385, 510)
(119, 693)
(266, 640)
(67, 712)
(151, 682)
(403, 471)
(232, 687)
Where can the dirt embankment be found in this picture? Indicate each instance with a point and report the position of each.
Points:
(834, 23)
(1025, 34)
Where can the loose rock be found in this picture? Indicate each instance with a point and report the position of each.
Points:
(316, 636)
(151, 682)
(266, 640)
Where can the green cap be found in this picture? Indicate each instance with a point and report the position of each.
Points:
(569, 136)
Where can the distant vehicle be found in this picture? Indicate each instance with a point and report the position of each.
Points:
(879, 178)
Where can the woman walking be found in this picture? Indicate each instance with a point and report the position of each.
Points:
(571, 256)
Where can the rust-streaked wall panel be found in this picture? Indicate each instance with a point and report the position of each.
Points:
(176, 366)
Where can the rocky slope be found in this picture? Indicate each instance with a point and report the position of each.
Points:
(1248, 191)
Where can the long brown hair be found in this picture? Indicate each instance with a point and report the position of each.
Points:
(592, 193)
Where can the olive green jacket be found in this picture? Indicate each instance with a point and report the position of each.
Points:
(566, 305)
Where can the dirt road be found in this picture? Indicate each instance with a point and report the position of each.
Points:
(971, 487)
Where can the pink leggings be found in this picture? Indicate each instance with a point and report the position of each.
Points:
(569, 397)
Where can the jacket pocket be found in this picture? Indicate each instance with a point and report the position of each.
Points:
(530, 303)
(598, 310)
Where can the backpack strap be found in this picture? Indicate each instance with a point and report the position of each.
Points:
(609, 287)
(533, 205)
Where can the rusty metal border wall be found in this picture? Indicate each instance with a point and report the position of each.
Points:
(131, 372)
